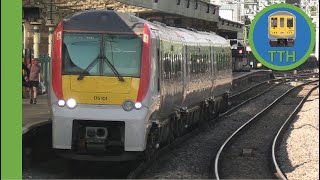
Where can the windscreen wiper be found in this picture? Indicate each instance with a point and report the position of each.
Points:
(91, 65)
(101, 58)
(105, 59)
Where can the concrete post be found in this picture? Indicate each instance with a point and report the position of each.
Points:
(50, 40)
(24, 36)
(36, 40)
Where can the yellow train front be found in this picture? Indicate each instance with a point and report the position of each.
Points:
(281, 29)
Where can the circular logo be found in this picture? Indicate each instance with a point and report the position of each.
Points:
(282, 36)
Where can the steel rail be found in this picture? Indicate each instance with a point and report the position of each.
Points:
(255, 86)
(281, 131)
(216, 163)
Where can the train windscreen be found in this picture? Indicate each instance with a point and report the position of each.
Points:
(281, 22)
(274, 22)
(101, 54)
(290, 22)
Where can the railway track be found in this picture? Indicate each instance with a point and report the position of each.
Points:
(251, 94)
(241, 97)
(278, 137)
(300, 74)
(246, 154)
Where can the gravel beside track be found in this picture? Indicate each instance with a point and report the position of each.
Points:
(248, 154)
(299, 149)
(236, 99)
(193, 159)
(238, 89)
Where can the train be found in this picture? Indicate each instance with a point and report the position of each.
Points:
(123, 87)
(281, 29)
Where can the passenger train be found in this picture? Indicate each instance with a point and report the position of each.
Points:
(282, 29)
(122, 87)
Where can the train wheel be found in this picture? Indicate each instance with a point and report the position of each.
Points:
(152, 143)
(224, 103)
(171, 135)
(176, 129)
(181, 126)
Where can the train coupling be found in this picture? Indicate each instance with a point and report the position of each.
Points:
(96, 138)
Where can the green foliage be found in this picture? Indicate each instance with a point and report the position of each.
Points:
(313, 8)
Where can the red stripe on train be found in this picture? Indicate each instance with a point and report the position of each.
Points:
(145, 64)
(56, 62)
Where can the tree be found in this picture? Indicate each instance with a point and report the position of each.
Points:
(247, 21)
(313, 8)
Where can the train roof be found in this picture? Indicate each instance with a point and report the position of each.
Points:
(281, 13)
(104, 20)
(190, 36)
(123, 22)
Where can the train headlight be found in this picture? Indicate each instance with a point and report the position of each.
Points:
(127, 105)
(138, 105)
(259, 65)
(71, 103)
(61, 103)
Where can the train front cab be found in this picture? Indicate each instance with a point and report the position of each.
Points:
(281, 29)
(98, 113)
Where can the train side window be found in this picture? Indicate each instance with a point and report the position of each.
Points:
(192, 60)
(229, 61)
(274, 22)
(213, 59)
(201, 63)
(281, 22)
(225, 62)
(172, 65)
(197, 63)
(164, 62)
(175, 65)
(206, 63)
(178, 65)
(167, 65)
(290, 22)
(221, 60)
(218, 62)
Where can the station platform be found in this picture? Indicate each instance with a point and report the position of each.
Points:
(251, 73)
(36, 115)
(243, 80)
